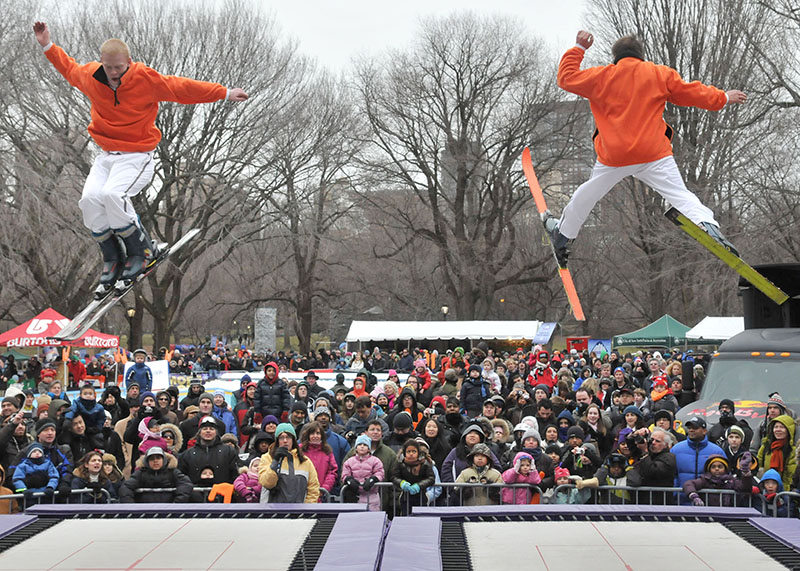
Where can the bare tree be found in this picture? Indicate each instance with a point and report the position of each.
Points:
(449, 119)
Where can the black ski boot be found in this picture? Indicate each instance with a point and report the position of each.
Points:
(113, 260)
(559, 242)
(139, 251)
(715, 233)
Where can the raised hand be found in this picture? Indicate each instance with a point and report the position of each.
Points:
(42, 33)
(237, 94)
(736, 96)
(584, 39)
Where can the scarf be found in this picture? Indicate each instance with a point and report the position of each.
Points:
(658, 395)
(776, 458)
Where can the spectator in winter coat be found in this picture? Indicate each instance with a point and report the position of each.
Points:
(360, 473)
(150, 435)
(245, 413)
(692, 453)
(246, 484)
(474, 391)
(777, 449)
(364, 415)
(613, 472)
(661, 397)
(479, 471)
(303, 485)
(717, 476)
(314, 445)
(140, 372)
(223, 413)
(78, 438)
(195, 390)
(456, 461)
(272, 394)
(205, 406)
(734, 446)
(770, 485)
(523, 471)
(89, 474)
(35, 473)
(657, 468)
(412, 476)
(579, 457)
(775, 408)
(156, 469)
(209, 451)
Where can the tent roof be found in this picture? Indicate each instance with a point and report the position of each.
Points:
(38, 332)
(665, 331)
(401, 330)
(715, 330)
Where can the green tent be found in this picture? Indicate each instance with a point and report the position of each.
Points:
(17, 355)
(663, 332)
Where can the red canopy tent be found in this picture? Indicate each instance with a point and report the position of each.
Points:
(37, 333)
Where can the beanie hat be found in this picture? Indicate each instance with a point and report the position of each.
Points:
(364, 439)
(206, 395)
(32, 447)
(299, 405)
(659, 380)
(219, 392)
(623, 435)
(531, 433)
(560, 472)
(553, 449)
(43, 423)
(735, 430)
(450, 375)
(521, 427)
(402, 420)
(440, 401)
(728, 403)
(420, 363)
(542, 386)
(473, 428)
(663, 413)
(146, 394)
(475, 368)
(270, 419)
(775, 398)
(285, 427)
(633, 409)
(575, 431)
(229, 438)
(716, 458)
(322, 410)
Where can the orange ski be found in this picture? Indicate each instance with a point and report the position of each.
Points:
(541, 206)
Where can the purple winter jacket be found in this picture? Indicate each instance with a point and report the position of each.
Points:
(361, 468)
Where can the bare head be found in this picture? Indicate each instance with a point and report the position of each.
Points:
(115, 57)
(627, 46)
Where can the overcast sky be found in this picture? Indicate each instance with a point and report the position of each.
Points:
(334, 31)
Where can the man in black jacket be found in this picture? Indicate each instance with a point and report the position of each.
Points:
(209, 452)
(272, 395)
(656, 468)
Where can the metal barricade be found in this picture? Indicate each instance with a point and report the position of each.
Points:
(788, 500)
(325, 495)
(25, 502)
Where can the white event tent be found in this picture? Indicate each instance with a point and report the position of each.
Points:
(365, 331)
(715, 330)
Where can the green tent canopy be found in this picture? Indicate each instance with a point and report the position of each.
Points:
(17, 355)
(663, 332)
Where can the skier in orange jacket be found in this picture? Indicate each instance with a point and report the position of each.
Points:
(124, 97)
(631, 138)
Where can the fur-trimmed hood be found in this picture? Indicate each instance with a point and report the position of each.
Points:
(178, 436)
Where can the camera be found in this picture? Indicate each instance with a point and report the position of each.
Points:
(641, 438)
(579, 451)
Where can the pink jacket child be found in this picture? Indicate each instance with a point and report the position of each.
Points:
(324, 462)
(246, 484)
(363, 468)
(150, 435)
(523, 472)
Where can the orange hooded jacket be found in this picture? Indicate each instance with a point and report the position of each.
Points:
(627, 100)
(125, 120)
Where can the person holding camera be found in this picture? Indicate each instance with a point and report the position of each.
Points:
(579, 457)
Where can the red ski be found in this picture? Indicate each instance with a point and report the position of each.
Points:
(541, 206)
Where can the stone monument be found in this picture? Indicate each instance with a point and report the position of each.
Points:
(265, 329)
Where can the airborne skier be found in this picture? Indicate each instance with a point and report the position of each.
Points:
(631, 138)
(124, 97)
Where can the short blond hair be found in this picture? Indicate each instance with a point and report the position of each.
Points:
(114, 46)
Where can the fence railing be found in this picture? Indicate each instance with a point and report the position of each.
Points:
(785, 504)
(25, 500)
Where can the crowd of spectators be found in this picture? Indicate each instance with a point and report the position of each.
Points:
(555, 426)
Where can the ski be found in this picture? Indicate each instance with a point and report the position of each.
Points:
(99, 307)
(541, 206)
(739, 265)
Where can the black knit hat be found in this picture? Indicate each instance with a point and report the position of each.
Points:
(43, 423)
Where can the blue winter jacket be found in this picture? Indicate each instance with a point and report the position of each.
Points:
(227, 417)
(142, 374)
(92, 412)
(27, 468)
(690, 458)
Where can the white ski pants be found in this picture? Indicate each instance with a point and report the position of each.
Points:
(115, 178)
(662, 175)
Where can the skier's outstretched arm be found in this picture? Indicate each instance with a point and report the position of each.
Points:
(42, 33)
